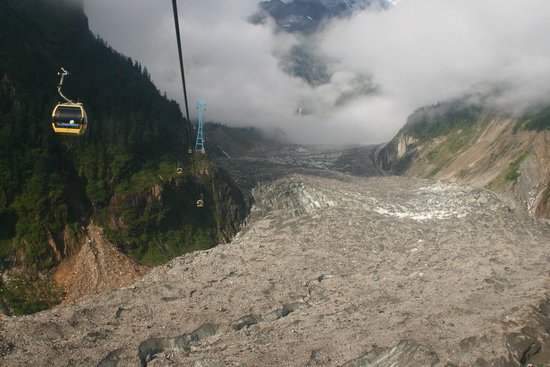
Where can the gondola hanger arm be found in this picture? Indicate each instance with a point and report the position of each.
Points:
(62, 73)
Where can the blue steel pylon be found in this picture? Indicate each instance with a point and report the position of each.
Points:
(199, 145)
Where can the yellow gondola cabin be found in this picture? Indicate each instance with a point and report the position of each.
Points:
(69, 118)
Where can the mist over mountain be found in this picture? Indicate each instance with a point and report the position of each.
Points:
(307, 16)
(304, 60)
(413, 53)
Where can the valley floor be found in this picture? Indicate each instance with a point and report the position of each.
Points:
(330, 270)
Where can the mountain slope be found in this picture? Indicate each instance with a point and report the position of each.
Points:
(121, 175)
(476, 146)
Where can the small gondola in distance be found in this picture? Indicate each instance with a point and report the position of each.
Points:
(69, 119)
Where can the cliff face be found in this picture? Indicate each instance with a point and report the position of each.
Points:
(102, 256)
(489, 152)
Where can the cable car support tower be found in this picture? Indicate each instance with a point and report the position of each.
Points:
(199, 145)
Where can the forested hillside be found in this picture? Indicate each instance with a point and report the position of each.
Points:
(121, 175)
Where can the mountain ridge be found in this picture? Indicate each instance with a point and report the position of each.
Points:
(475, 145)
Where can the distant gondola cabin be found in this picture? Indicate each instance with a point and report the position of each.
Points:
(69, 118)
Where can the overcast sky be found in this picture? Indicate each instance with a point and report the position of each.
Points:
(418, 53)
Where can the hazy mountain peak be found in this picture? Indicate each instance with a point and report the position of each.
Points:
(305, 16)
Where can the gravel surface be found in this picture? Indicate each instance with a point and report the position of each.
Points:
(328, 271)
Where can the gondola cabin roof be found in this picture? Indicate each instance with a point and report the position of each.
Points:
(69, 118)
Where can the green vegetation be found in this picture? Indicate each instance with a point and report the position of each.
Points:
(455, 141)
(23, 295)
(538, 121)
(52, 185)
(440, 119)
(157, 230)
(432, 156)
(512, 173)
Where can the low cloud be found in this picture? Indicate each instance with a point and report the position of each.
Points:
(424, 51)
(382, 64)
